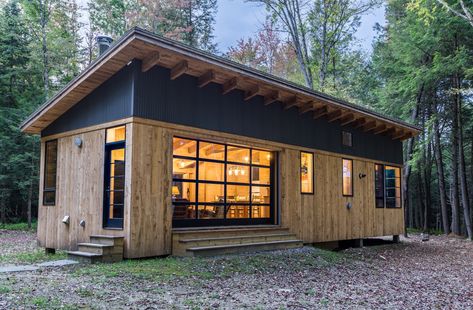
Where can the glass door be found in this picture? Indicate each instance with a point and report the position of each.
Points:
(114, 187)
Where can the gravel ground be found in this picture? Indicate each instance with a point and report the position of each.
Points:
(437, 274)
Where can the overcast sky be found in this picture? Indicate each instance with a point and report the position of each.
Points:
(237, 18)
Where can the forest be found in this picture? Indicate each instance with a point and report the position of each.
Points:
(419, 70)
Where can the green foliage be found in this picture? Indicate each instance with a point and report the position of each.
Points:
(19, 226)
(29, 257)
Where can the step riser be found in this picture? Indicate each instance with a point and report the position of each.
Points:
(217, 233)
(97, 259)
(238, 240)
(102, 251)
(105, 241)
(249, 249)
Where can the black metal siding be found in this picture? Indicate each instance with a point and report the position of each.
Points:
(110, 101)
(182, 102)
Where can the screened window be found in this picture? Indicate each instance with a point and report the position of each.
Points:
(379, 185)
(347, 177)
(393, 186)
(50, 170)
(307, 173)
(214, 181)
(347, 138)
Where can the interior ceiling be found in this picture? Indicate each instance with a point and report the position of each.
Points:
(157, 51)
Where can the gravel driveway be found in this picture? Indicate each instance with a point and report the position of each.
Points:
(412, 275)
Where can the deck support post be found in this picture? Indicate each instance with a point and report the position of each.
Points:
(358, 243)
(396, 239)
(49, 251)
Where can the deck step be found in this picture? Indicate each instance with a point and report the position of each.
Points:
(107, 240)
(210, 241)
(244, 247)
(84, 257)
(96, 248)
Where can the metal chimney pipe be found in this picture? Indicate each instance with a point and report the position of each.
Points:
(104, 43)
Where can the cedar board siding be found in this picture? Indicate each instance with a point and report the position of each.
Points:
(148, 224)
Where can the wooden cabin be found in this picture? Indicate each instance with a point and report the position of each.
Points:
(158, 148)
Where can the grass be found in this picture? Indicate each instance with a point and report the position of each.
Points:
(207, 268)
(19, 226)
(35, 256)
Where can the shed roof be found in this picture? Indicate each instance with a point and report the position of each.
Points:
(181, 59)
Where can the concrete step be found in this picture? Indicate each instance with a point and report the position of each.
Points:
(107, 240)
(244, 248)
(211, 241)
(84, 257)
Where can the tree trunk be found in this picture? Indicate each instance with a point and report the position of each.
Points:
(441, 176)
(44, 45)
(462, 172)
(455, 201)
(407, 166)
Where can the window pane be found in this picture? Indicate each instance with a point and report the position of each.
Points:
(393, 186)
(49, 198)
(210, 171)
(260, 157)
(260, 194)
(211, 192)
(183, 191)
(346, 138)
(379, 185)
(238, 154)
(184, 147)
(183, 211)
(307, 172)
(115, 134)
(238, 174)
(260, 212)
(211, 212)
(238, 212)
(238, 193)
(211, 151)
(51, 164)
(347, 177)
(183, 168)
(260, 175)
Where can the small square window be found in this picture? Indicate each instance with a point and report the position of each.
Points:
(346, 138)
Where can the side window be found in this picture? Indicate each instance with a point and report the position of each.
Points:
(307, 173)
(379, 185)
(347, 138)
(347, 180)
(50, 170)
(392, 177)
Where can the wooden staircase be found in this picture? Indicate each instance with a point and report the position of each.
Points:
(220, 241)
(101, 248)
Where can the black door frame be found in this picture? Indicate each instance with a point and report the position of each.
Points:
(107, 221)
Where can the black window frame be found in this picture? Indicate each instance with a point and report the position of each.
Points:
(351, 177)
(313, 172)
(386, 189)
(376, 197)
(45, 173)
(196, 221)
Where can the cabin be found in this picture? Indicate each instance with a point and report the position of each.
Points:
(158, 148)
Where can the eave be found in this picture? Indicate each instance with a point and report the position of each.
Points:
(207, 68)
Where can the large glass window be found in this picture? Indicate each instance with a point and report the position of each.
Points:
(214, 181)
(347, 177)
(307, 173)
(393, 186)
(50, 171)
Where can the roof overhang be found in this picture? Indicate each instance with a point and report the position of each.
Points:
(182, 59)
